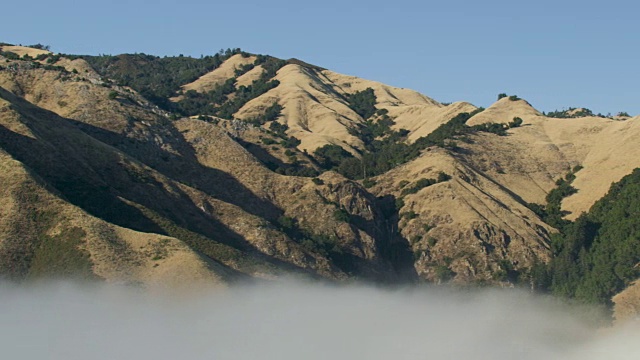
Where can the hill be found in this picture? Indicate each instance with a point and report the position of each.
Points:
(240, 166)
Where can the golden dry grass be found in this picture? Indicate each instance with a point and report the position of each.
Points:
(533, 156)
(210, 80)
(627, 304)
(23, 50)
(197, 173)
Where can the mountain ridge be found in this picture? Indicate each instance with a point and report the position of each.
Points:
(249, 196)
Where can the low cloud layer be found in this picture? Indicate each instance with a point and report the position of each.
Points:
(297, 321)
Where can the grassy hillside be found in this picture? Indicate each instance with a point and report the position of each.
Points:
(188, 180)
(259, 167)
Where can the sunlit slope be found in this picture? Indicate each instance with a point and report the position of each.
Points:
(140, 161)
(226, 71)
(543, 149)
(318, 113)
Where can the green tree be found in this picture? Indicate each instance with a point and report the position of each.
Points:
(331, 156)
(597, 255)
(442, 177)
(443, 273)
(342, 215)
(363, 102)
(516, 122)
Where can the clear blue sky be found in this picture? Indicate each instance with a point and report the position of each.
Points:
(553, 53)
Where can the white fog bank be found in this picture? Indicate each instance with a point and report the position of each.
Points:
(296, 321)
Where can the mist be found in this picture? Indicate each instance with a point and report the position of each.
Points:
(298, 321)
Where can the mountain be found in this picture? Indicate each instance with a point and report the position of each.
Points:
(121, 160)
(239, 166)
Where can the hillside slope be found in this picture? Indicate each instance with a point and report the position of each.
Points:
(317, 111)
(245, 195)
(125, 163)
(468, 227)
(42, 234)
(210, 80)
(543, 149)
